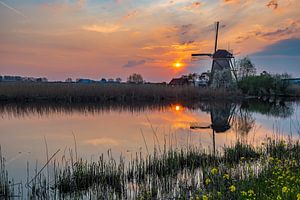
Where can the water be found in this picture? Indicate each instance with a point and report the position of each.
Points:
(27, 129)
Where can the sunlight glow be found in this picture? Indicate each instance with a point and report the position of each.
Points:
(177, 65)
(177, 108)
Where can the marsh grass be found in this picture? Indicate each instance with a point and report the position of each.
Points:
(190, 173)
(96, 92)
(269, 171)
(8, 189)
(4, 182)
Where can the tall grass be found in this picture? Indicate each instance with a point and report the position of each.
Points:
(270, 171)
(4, 182)
(76, 92)
(178, 173)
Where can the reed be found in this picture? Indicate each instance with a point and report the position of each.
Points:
(269, 171)
(76, 92)
(180, 173)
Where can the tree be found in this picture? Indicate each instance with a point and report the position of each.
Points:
(135, 78)
(246, 68)
(69, 80)
(118, 80)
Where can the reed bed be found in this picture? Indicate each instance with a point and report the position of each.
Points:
(4, 182)
(8, 189)
(238, 172)
(270, 171)
(96, 92)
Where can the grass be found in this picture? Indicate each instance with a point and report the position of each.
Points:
(76, 92)
(240, 172)
(5, 191)
(270, 171)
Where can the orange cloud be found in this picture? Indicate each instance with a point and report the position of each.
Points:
(107, 28)
(273, 4)
(194, 5)
(231, 1)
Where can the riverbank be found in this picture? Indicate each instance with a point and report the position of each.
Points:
(268, 171)
(122, 93)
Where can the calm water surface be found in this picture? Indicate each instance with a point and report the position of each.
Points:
(26, 129)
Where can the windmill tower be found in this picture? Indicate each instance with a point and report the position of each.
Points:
(222, 70)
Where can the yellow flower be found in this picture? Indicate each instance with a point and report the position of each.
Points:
(232, 188)
(226, 176)
(250, 192)
(278, 197)
(205, 197)
(285, 189)
(214, 170)
(298, 196)
(197, 197)
(207, 181)
(243, 193)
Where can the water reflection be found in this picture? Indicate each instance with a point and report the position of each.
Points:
(269, 107)
(221, 114)
(99, 127)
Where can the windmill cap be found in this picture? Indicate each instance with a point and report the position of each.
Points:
(222, 53)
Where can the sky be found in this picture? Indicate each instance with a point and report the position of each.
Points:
(115, 38)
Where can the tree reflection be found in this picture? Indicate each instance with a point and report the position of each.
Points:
(269, 107)
(243, 122)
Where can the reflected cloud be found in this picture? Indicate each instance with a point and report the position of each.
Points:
(102, 142)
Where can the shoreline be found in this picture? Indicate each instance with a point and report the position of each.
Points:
(16, 92)
(118, 93)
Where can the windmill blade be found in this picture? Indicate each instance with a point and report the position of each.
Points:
(199, 126)
(202, 54)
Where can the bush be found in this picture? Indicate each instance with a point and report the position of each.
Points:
(264, 84)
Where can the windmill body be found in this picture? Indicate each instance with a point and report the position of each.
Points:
(222, 70)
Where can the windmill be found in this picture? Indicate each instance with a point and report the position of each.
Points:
(222, 70)
(221, 118)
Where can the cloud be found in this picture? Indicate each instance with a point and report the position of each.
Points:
(273, 4)
(106, 28)
(289, 47)
(194, 5)
(102, 141)
(289, 29)
(134, 63)
(231, 1)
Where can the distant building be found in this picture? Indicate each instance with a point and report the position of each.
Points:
(194, 79)
(295, 81)
(85, 80)
(183, 81)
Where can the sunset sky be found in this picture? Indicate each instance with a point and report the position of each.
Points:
(115, 38)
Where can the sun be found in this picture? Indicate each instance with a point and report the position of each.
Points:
(177, 107)
(177, 65)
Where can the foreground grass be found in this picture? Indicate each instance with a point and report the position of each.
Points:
(271, 171)
(4, 182)
(241, 172)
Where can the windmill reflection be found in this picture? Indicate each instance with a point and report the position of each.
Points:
(221, 119)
